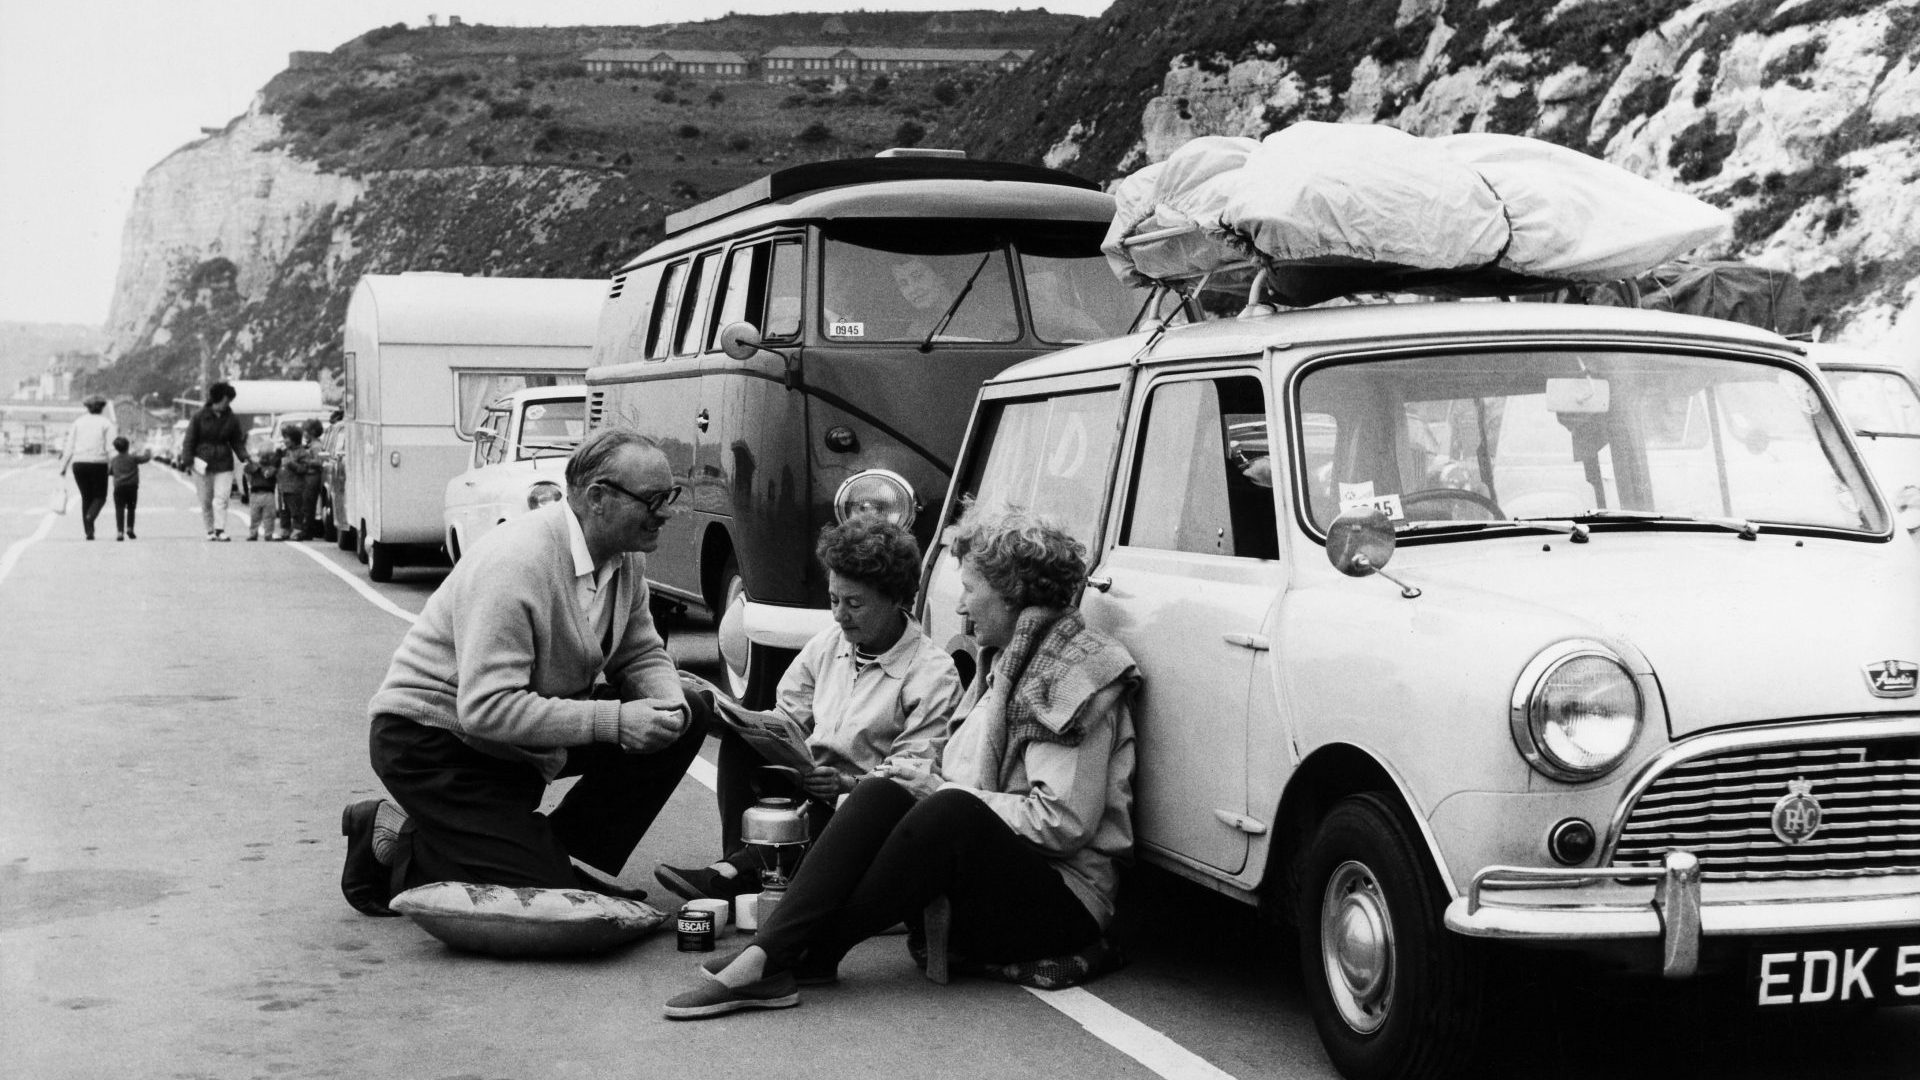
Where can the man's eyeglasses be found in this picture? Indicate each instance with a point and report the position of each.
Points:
(654, 503)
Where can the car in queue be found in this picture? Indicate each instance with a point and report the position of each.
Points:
(1550, 626)
(809, 344)
(520, 446)
(1881, 402)
(332, 507)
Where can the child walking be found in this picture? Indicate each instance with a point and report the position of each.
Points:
(263, 473)
(123, 469)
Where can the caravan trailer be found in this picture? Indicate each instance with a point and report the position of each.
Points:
(425, 353)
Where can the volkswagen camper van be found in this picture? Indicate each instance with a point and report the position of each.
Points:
(1564, 627)
(811, 343)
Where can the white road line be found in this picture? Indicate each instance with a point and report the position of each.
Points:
(18, 546)
(1131, 1037)
(366, 591)
(1143, 1044)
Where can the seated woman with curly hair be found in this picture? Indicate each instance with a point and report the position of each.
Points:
(1010, 846)
(872, 690)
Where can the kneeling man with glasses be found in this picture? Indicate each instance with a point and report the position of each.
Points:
(537, 658)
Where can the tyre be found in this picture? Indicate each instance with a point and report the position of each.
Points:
(1394, 994)
(753, 671)
(346, 538)
(379, 561)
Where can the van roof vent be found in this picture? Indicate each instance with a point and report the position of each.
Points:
(820, 175)
(619, 284)
(596, 408)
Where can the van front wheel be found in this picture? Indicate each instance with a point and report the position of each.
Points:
(752, 670)
(379, 561)
(1394, 994)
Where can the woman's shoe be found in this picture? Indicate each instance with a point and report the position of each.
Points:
(803, 974)
(704, 883)
(715, 998)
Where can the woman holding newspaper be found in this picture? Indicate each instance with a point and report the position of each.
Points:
(1008, 850)
(872, 692)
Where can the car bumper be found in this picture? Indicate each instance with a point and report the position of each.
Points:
(1670, 904)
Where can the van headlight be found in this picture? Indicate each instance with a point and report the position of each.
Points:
(543, 493)
(1576, 711)
(879, 492)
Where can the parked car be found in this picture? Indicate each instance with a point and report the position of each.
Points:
(333, 483)
(1571, 628)
(520, 448)
(1881, 402)
(816, 337)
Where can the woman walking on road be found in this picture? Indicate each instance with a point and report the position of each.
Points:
(214, 442)
(89, 446)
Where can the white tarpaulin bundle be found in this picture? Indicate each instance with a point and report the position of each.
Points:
(1360, 195)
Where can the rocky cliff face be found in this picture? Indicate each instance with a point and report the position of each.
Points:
(1798, 116)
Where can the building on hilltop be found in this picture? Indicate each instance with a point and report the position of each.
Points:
(680, 61)
(788, 62)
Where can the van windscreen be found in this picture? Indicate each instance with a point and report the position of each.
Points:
(952, 286)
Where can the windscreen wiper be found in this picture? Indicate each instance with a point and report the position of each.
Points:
(927, 345)
(1572, 528)
(1747, 529)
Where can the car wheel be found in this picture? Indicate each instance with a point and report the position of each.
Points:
(1393, 992)
(379, 561)
(345, 537)
(752, 670)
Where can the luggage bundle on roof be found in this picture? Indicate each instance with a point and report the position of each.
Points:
(1333, 209)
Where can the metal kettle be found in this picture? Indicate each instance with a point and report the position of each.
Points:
(775, 827)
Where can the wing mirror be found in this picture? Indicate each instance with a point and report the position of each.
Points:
(1360, 542)
(740, 340)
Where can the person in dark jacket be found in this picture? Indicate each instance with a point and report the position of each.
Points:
(299, 472)
(124, 470)
(214, 442)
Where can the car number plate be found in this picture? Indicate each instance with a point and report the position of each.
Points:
(1839, 971)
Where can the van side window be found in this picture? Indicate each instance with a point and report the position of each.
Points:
(761, 285)
(1202, 478)
(783, 292)
(1049, 455)
(666, 311)
(693, 301)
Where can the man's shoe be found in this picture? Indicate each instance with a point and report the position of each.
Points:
(365, 883)
(715, 998)
(706, 883)
(221, 535)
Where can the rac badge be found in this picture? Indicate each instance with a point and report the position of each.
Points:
(1893, 678)
(1796, 817)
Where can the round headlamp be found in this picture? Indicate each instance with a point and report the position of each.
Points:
(543, 493)
(1576, 711)
(877, 492)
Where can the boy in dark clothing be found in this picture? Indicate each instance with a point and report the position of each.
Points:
(298, 469)
(310, 501)
(123, 469)
(263, 474)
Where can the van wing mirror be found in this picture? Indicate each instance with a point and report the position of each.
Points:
(740, 340)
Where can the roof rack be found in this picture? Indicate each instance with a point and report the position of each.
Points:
(819, 175)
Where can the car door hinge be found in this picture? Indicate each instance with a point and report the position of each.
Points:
(1256, 642)
(1241, 822)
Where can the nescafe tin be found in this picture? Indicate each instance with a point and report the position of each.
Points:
(696, 929)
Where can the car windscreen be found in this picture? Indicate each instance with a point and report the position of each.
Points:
(551, 427)
(1463, 439)
(911, 281)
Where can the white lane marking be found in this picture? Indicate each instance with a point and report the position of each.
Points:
(15, 549)
(1131, 1037)
(366, 591)
(703, 771)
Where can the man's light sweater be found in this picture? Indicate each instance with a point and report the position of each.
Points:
(503, 656)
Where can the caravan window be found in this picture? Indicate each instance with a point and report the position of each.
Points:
(477, 389)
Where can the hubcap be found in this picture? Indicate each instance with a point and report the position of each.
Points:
(731, 637)
(1356, 946)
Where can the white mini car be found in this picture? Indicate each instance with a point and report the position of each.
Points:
(1639, 682)
(1881, 402)
(520, 449)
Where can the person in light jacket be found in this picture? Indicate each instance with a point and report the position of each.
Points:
(89, 448)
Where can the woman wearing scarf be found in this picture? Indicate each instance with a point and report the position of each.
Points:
(1010, 846)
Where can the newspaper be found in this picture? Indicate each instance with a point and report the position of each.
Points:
(773, 734)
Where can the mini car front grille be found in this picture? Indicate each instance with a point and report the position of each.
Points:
(1721, 808)
(619, 284)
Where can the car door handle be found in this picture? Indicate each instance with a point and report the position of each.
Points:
(1256, 642)
(1241, 822)
(701, 421)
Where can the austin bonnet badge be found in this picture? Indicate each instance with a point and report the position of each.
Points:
(1893, 678)
(1796, 817)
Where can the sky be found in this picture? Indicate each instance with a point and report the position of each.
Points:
(95, 92)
